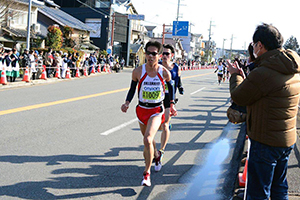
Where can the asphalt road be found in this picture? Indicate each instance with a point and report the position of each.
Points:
(69, 140)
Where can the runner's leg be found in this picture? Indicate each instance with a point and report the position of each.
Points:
(149, 132)
(165, 130)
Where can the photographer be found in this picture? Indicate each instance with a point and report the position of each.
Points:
(271, 93)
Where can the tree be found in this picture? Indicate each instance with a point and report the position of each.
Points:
(67, 34)
(292, 44)
(7, 11)
(54, 37)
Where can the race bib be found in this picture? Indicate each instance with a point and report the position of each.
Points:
(153, 95)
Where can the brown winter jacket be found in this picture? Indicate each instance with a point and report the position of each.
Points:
(271, 94)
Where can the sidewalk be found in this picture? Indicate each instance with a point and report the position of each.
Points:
(20, 83)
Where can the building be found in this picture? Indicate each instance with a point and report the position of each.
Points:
(51, 14)
(109, 19)
(96, 14)
(14, 23)
(179, 51)
(43, 14)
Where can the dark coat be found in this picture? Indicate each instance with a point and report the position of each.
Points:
(271, 93)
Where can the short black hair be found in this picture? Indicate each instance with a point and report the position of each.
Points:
(250, 51)
(154, 44)
(269, 36)
(169, 46)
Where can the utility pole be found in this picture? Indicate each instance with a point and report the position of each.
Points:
(164, 32)
(28, 25)
(231, 46)
(112, 30)
(223, 47)
(209, 39)
(178, 10)
(128, 43)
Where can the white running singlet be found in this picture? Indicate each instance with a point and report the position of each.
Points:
(151, 89)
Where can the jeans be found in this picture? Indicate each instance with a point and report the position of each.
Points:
(267, 169)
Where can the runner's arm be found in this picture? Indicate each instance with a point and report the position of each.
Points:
(171, 91)
(131, 91)
(180, 87)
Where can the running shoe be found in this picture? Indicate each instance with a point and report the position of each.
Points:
(146, 180)
(158, 161)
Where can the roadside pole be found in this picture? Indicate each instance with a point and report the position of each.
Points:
(128, 42)
(28, 25)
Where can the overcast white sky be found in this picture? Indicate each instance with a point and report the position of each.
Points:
(229, 17)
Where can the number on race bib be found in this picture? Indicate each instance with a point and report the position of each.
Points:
(151, 95)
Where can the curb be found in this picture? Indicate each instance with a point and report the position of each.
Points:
(20, 83)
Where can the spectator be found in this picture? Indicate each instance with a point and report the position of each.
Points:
(7, 58)
(64, 65)
(48, 62)
(111, 62)
(58, 60)
(271, 94)
(25, 60)
(137, 61)
(40, 57)
(72, 64)
(32, 70)
(122, 63)
(92, 62)
(78, 62)
(15, 66)
(85, 64)
(1, 59)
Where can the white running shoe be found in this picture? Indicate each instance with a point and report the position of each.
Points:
(157, 166)
(146, 180)
(158, 161)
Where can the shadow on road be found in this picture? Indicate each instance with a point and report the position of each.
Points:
(102, 176)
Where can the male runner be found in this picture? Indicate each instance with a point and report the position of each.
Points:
(167, 55)
(150, 78)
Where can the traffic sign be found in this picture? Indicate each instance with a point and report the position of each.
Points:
(136, 17)
(180, 28)
(109, 51)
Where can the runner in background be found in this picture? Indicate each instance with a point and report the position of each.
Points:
(167, 55)
(220, 70)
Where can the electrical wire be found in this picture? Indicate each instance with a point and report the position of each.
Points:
(108, 15)
(98, 11)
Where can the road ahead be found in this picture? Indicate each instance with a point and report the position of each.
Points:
(69, 140)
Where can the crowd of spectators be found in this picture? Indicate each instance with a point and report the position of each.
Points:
(15, 63)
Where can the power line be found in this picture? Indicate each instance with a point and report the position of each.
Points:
(98, 11)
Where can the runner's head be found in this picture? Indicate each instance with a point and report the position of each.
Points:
(153, 49)
(168, 52)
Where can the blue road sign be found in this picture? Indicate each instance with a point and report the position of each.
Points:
(180, 28)
(108, 51)
(136, 17)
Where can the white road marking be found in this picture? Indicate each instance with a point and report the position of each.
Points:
(119, 127)
(198, 91)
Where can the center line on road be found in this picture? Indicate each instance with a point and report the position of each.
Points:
(42, 105)
(196, 75)
(198, 91)
(118, 127)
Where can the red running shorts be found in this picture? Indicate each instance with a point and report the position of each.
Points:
(144, 114)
